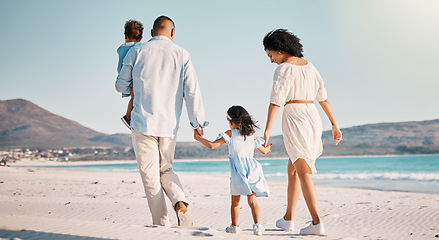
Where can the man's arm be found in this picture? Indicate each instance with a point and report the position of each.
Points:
(192, 96)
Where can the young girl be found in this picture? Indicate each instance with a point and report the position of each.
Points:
(246, 176)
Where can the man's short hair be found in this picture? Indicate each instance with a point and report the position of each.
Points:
(133, 29)
(158, 22)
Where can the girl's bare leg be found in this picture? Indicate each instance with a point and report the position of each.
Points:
(304, 173)
(293, 191)
(254, 207)
(234, 210)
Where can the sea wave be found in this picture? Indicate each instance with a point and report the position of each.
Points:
(428, 177)
(424, 177)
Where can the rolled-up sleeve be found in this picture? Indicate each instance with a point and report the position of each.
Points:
(281, 86)
(192, 95)
(124, 80)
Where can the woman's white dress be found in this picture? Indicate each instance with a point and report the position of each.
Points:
(301, 123)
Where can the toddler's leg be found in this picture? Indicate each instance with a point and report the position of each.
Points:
(130, 105)
(234, 209)
(254, 207)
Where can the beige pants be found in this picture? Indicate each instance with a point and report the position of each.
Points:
(155, 157)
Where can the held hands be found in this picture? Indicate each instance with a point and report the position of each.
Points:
(267, 148)
(336, 133)
(266, 137)
(197, 134)
(199, 130)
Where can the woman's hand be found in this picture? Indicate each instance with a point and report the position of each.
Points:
(336, 133)
(266, 137)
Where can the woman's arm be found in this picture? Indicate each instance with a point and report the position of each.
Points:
(207, 143)
(271, 116)
(336, 133)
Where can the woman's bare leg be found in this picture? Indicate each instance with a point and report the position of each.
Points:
(293, 191)
(304, 173)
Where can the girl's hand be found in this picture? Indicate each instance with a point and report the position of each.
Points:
(265, 149)
(268, 148)
(336, 134)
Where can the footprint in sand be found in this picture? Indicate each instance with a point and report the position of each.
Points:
(201, 234)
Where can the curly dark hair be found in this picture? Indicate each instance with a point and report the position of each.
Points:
(240, 116)
(282, 40)
(133, 29)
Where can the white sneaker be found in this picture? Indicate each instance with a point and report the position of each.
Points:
(233, 229)
(258, 229)
(285, 225)
(312, 229)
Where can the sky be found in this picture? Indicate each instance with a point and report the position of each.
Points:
(378, 58)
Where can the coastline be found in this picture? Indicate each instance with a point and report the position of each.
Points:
(359, 174)
(42, 202)
(29, 162)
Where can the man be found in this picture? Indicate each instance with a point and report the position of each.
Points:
(162, 75)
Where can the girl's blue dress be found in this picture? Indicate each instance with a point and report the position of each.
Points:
(246, 174)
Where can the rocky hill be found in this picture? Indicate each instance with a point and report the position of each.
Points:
(420, 137)
(24, 124)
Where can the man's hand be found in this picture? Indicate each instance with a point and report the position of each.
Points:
(196, 135)
(199, 130)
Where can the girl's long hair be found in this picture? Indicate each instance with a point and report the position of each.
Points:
(240, 116)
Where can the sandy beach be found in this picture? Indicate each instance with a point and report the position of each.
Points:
(48, 203)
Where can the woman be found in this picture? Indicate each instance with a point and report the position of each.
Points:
(296, 84)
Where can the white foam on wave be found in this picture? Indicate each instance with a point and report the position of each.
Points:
(424, 177)
(428, 177)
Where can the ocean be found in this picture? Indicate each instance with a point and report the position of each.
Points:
(413, 173)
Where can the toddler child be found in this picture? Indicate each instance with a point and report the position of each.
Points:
(246, 176)
(133, 34)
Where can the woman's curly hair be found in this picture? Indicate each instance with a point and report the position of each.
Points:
(282, 40)
(240, 116)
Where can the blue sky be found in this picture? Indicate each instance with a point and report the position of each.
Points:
(378, 58)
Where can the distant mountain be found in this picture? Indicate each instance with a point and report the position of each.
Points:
(24, 124)
(420, 137)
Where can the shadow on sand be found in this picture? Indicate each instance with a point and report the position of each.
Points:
(29, 234)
